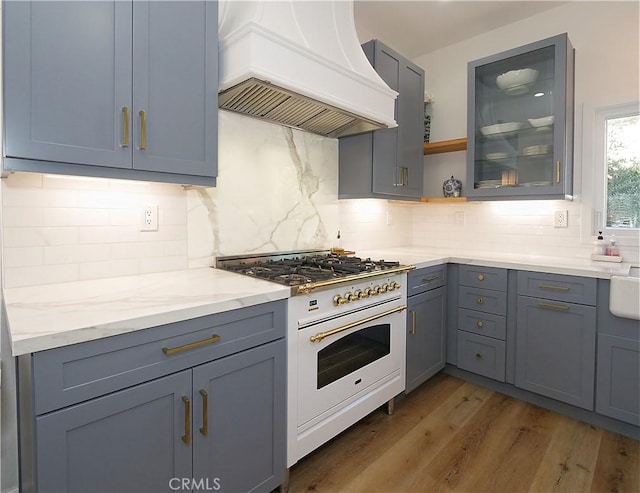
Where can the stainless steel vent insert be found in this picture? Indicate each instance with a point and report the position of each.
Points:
(266, 101)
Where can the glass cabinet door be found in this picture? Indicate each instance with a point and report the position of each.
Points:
(520, 125)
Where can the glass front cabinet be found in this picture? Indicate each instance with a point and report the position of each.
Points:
(520, 123)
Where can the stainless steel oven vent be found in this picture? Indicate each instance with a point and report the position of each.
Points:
(266, 101)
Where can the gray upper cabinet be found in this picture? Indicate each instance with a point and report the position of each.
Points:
(388, 163)
(520, 123)
(107, 89)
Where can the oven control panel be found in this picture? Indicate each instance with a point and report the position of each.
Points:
(361, 294)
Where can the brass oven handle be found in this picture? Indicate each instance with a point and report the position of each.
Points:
(552, 306)
(143, 130)
(307, 288)
(192, 345)
(186, 438)
(125, 127)
(554, 288)
(413, 322)
(321, 335)
(205, 412)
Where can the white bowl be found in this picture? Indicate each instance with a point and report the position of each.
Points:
(541, 122)
(517, 78)
(501, 128)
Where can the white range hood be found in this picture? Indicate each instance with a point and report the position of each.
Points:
(299, 63)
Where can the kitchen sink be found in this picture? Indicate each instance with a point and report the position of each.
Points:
(624, 295)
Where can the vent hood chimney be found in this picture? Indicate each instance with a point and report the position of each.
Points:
(299, 63)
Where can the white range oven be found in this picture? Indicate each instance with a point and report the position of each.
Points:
(346, 338)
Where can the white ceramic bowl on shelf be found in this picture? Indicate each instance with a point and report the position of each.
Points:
(541, 122)
(515, 79)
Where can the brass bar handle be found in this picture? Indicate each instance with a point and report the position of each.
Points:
(321, 335)
(143, 130)
(558, 171)
(125, 127)
(192, 345)
(552, 306)
(205, 412)
(553, 288)
(406, 176)
(413, 322)
(430, 278)
(186, 438)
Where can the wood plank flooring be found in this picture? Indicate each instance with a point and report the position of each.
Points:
(450, 435)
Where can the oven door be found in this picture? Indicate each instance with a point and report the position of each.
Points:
(349, 356)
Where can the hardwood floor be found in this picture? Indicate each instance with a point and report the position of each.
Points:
(451, 435)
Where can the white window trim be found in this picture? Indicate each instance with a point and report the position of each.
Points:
(593, 174)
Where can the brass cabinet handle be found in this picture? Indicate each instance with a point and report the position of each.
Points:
(125, 127)
(478, 356)
(479, 324)
(480, 277)
(413, 322)
(205, 412)
(192, 345)
(553, 288)
(405, 176)
(552, 306)
(557, 171)
(430, 278)
(143, 130)
(186, 438)
(480, 301)
(321, 335)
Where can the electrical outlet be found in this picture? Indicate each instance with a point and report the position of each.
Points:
(560, 219)
(149, 218)
(460, 217)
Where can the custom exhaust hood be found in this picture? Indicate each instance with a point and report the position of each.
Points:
(299, 63)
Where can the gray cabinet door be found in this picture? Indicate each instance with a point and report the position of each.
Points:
(411, 128)
(555, 350)
(128, 441)
(617, 389)
(175, 82)
(67, 76)
(242, 445)
(425, 336)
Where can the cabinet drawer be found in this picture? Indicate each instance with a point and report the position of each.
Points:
(71, 374)
(421, 280)
(481, 355)
(483, 277)
(559, 287)
(485, 324)
(484, 300)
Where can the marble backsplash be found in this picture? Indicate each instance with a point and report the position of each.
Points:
(277, 191)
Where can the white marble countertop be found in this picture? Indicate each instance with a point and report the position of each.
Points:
(54, 315)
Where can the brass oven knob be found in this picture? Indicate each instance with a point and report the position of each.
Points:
(394, 285)
(368, 292)
(391, 286)
(339, 300)
(360, 294)
(351, 297)
(384, 288)
(375, 291)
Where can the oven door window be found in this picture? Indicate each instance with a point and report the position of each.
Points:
(352, 352)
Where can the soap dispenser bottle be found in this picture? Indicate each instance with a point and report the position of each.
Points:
(599, 247)
(612, 249)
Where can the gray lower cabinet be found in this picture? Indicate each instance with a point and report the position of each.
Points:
(105, 89)
(212, 415)
(426, 324)
(388, 163)
(556, 339)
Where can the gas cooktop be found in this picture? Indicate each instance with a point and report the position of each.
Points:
(306, 268)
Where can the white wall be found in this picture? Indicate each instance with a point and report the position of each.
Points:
(605, 36)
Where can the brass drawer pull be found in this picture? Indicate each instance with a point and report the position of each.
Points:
(143, 130)
(413, 322)
(480, 301)
(552, 306)
(553, 288)
(125, 126)
(186, 438)
(205, 412)
(478, 356)
(192, 345)
(479, 324)
(480, 277)
(430, 278)
(321, 335)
